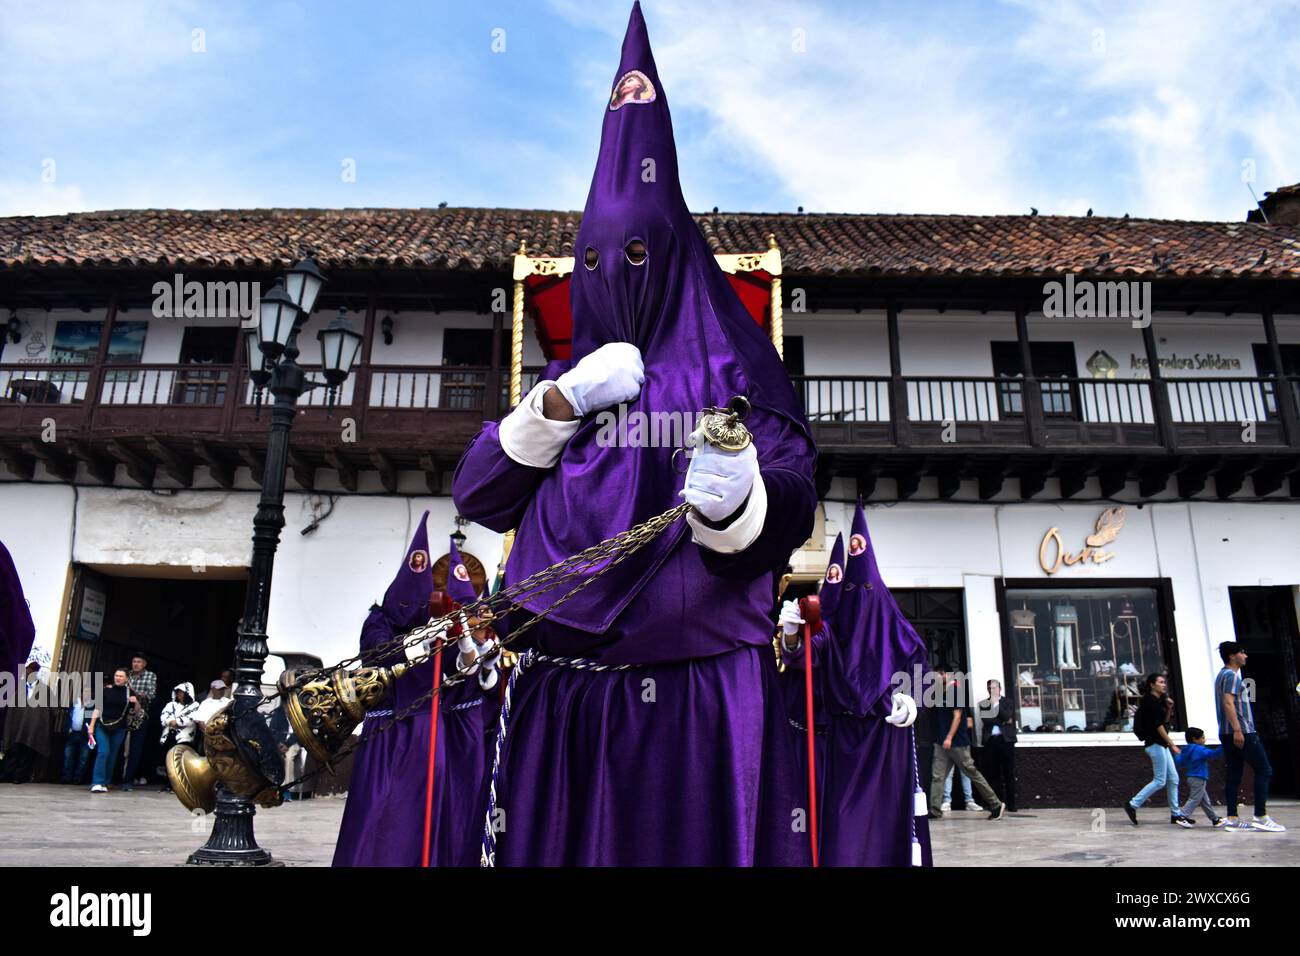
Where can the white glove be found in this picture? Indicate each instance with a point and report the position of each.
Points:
(612, 374)
(790, 619)
(904, 714)
(487, 675)
(717, 481)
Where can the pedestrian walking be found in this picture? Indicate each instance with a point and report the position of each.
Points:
(998, 739)
(1195, 762)
(1241, 744)
(953, 724)
(1151, 724)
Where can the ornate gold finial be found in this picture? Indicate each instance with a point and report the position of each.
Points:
(771, 240)
(523, 247)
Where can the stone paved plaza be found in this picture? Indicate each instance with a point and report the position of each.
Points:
(48, 825)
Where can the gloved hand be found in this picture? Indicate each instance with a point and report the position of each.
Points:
(612, 374)
(717, 481)
(904, 714)
(790, 619)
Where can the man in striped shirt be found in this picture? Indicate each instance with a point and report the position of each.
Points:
(1241, 745)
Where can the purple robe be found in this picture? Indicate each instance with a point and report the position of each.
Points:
(383, 819)
(685, 758)
(17, 632)
(870, 780)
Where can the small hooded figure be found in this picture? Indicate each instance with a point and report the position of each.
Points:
(383, 819)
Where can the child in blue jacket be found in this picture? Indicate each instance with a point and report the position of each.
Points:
(1194, 760)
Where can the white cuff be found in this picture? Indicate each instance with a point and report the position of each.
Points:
(529, 437)
(742, 532)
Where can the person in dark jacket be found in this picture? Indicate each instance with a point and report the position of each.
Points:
(998, 739)
(1151, 724)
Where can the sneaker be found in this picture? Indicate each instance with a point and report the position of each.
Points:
(1220, 823)
(971, 805)
(1132, 814)
(1267, 823)
(997, 814)
(1232, 823)
(936, 814)
(947, 805)
(99, 788)
(127, 787)
(1183, 822)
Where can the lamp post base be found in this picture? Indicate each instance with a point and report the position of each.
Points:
(232, 842)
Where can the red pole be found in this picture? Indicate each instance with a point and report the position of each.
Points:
(812, 747)
(433, 751)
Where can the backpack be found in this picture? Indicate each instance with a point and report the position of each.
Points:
(1140, 723)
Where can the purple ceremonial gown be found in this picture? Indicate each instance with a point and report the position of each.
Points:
(686, 757)
(383, 819)
(869, 802)
(17, 632)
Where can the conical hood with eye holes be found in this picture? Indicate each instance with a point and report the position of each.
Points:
(874, 642)
(699, 345)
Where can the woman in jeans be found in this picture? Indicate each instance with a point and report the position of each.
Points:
(1151, 721)
(108, 728)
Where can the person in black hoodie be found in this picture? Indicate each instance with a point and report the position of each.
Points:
(1151, 724)
(998, 740)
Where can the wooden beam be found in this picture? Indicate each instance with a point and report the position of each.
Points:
(304, 472)
(1073, 481)
(949, 482)
(990, 482)
(139, 468)
(174, 467)
(1229, 479)
(1154, 480)
(1193, 476)
(346, 472)
(255, 460)
(220, 470)
(387, 473)
(20, 464)
(59, 465)
(866, 481)
(1269, 479)
(432, 474)
(99, 467)
(909, 481)
(1032, 482)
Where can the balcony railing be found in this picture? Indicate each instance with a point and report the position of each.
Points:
(843, 409)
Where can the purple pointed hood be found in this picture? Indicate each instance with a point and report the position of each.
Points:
(459, 587)
(833, 580)
(17, 632)
(406, 602)
(699, 345)
(874, 642)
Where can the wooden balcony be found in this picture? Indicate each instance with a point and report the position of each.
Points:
(389, 418)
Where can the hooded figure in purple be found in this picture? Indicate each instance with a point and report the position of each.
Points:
(677, 750)
(793, 678)
(383, 819)
(871, 791)
(17, 632)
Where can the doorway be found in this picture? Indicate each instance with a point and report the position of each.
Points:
(1264, 619)
(185, 626)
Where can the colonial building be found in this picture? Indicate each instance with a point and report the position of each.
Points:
(1078, 439)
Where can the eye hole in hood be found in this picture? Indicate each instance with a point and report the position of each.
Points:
(635, 252)
(591, 258)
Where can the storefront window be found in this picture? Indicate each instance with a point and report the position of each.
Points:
(1080, 656)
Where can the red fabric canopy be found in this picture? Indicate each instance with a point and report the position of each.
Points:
(547, 299)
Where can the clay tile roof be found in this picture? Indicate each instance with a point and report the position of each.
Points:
(811, 243)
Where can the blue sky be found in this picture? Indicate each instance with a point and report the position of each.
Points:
(1148, 107)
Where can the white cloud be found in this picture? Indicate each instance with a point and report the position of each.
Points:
(1188, 89)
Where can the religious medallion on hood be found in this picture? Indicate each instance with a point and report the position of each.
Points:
(632, 87)
(857, 544)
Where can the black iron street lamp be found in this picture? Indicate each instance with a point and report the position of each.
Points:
(272, 364)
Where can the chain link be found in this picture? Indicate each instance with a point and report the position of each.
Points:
(592, 562)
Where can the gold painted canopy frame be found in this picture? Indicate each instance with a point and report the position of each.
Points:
(732, 263)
